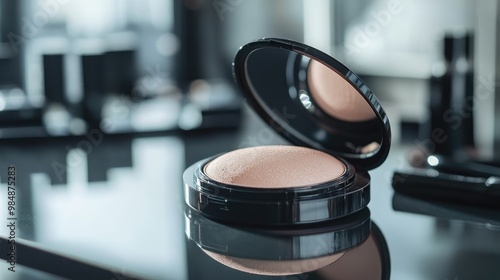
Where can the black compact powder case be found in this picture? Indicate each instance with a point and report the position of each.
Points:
(272, 74)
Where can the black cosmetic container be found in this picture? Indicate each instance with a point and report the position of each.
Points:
(275, 78)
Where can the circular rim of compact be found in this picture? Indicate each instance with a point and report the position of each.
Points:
(279, 207)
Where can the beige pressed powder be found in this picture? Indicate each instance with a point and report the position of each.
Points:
(272, 167)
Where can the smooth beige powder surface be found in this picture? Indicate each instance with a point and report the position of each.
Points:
(274, 167)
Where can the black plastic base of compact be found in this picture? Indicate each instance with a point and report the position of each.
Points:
(276, 207)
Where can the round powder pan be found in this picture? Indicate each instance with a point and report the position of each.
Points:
(337, 127)
(275, 206)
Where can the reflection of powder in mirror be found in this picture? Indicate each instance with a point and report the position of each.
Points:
(335, 96)
(274, 167)
(274, 268)
(362, 262)
(373, 146)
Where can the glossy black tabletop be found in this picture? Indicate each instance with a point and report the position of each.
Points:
(111, 207)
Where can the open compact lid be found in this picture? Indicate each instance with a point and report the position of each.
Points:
(313, 100)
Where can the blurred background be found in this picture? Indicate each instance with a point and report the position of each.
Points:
(130, 66)
(104, 103)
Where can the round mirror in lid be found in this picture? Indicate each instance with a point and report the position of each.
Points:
(313, 100)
